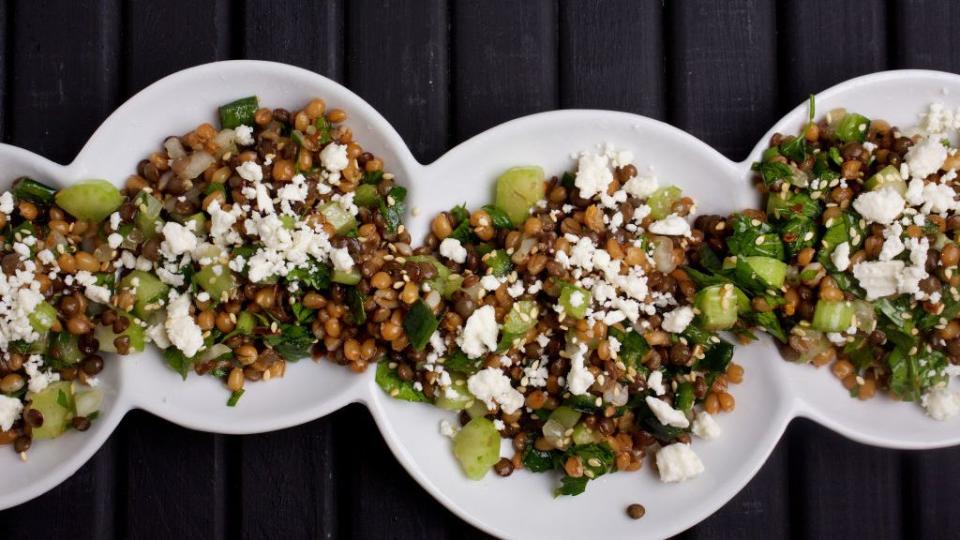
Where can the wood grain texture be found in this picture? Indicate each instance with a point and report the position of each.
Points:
(611, 56)
(175, 483)
(721, 83)
(403, 70)
(930, 492)
(917, 36)
(301, 487)
(722, 88)
(505, 62)
(61, 91)
(851, 39)
(841, 487)
(276, 29)
(164, 37)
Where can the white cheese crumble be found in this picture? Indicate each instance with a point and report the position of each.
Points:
(453, 250)
(492, 387)
(6, 203)
(878, 278)
(579, 379)
(250, 171)
(39, 378)
(926, 157)
(182, 330)
(480, 333)
(882, 206)
(655, 383)
(244, 135)
(672, 225)
(177, 240)
(705, 427)
(941, 403)
(641, 187)
(334, 157)
(841, 256)
(593, 174)
(666, 414)
(10, 409)
(677, 462)
(676, 321)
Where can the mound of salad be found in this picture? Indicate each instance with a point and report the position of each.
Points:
(57, 308)
(561, 317)
(252, 245)
(853, 264)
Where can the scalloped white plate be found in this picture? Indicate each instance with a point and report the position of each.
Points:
(772, 394)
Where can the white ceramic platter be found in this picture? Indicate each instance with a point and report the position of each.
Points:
(521, 506)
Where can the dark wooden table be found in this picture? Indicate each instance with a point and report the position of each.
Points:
(440, 72)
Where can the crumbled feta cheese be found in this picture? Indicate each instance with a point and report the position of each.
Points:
(593, 174)
(893, 245)
(447, 429)
(941, 403)
(98, 293)
(453, 250)
(10, 409)
(882, 206)
(6, 203)
(579, 379)
(39, 378)
(158, 335)
(480, 333)
(672, 225)
(705, 427)
(676, 321)
(114, 240)
(641, 186)
(244, 135)
(655, 383)
(841, 256)
(677, 462)
(342, 261)
(926, 157)
(250, 171)
(938, 198)
(177, 240)
(878, 278)
(666, 414)
(490, 283)
(334, 157)
(492, 387)
(182, 330)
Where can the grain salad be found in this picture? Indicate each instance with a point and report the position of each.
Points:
(853, 263)
(247, 246)
(57, 307)
(561, 317)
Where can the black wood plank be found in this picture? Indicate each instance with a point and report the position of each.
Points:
(403, 69)
(62, 88)
(165, 37)
(397, 60)
(841, 487)
(918, 34)
(6, 80)
(722, 83)
(722, 88)
(61, 91)
(930, 493)
(505, 56)
(299, 32)
(176, 483)
(290, 487)
(850, 39)
(611, 56)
